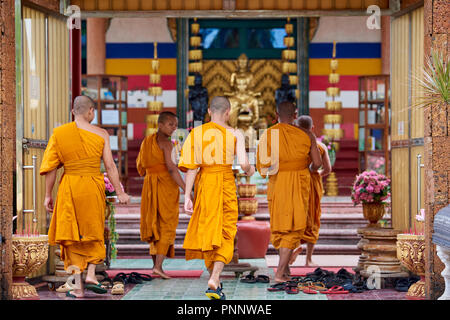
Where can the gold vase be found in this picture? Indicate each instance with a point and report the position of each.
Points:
(373, 212)
(247, 190)
(411, 253)
(29, 255)
(248, 206)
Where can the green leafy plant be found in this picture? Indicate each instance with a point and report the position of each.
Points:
(435, 82)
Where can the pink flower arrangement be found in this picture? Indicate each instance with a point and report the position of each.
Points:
(109, 188)
(371, 187)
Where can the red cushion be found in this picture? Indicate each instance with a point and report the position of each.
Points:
(253, 238)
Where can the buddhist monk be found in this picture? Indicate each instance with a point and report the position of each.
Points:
(160, 193)
(313, 222)
(207, 157)
(285, 153)
(78, 219)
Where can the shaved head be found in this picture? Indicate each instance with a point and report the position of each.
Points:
(286, 109)
(166, 115)
(219, 105)
(82, 104)
(305, 122)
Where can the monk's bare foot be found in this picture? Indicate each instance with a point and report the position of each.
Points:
(161, 273)
(295, 254)
(281, 279)
(213, 283)
(91, 280)
(311, 264)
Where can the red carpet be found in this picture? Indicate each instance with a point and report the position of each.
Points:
(171, 273)
(302, 271)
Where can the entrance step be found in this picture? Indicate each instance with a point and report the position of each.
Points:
(338, 233)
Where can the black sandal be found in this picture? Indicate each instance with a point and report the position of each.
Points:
(262, 278)
(249, 279)
(142, 276)
(121, 277)
(133, 278)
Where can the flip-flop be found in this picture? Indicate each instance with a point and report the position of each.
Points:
(262, 278)
(335, 290)
(309, 290)
(97, 288)
(66, 288)
(122, 277)
(142, 276)
(215, 294)
(69, 295)
(133, 278)
(291, 289)
(277, 287)
(249, 279)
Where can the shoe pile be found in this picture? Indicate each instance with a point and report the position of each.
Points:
(117, 284)
(403, 284)
(323, 281)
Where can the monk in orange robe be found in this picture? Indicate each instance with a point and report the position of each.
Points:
(285, 153)
(313, 222)
(160, 193)
(78, 219)
(207, 157)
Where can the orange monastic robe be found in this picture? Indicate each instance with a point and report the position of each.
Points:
(289, 183)
(313, 222)
(212, 227)
(160, 199)
(78, 218)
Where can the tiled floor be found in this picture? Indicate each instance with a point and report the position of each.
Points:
(194, 288)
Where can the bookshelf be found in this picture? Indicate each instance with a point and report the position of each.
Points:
(374, 119)
(110, 95)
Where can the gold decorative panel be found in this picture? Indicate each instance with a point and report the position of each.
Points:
(266, 80)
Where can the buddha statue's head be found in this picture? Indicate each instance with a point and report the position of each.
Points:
(285, 80)
(243, 62)
(198, 79)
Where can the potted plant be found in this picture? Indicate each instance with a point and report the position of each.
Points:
(371, 189)
(411, 253)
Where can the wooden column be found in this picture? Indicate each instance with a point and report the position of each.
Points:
(96, 45)
(75, 61)
(437, 146)
(7, 141)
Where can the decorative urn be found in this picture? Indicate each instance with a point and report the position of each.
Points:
(410, 252)
(30, 253)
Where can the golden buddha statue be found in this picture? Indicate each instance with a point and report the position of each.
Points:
(244, 102)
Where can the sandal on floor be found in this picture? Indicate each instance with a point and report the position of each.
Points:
(142, 276)
(277, 287)
(309, 290)
(68, 294)
(262, 278)
(319, 286)
(118, 289)
(215, 294)
(66, 288)
(97, 288)
(107, 283)
(121, 277)
(291, 289)
(249, 279)
(335, 290)
(133, 278)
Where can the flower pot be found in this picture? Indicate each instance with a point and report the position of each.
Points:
(373, 212)
(29, 255)
(248, 206)
(247, 190)
(410, 252)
